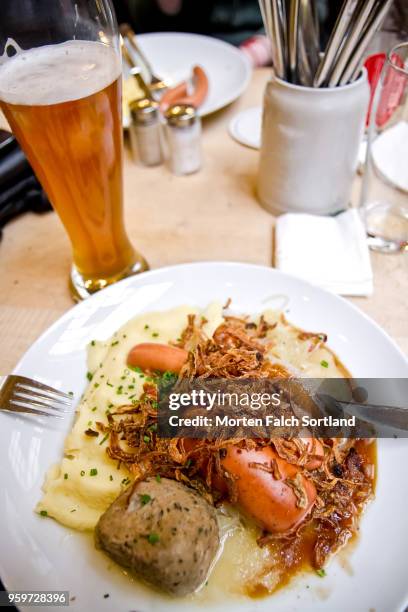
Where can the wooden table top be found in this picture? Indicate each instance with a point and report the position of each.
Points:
(212, 215)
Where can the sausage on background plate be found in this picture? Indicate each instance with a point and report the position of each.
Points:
(179, 94)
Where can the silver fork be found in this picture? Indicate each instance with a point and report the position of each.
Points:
(28, 396)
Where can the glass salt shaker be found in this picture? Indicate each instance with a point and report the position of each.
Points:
(183, 130)
(145, 132)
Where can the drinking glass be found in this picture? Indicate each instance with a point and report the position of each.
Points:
(60, 90)
(385, 185)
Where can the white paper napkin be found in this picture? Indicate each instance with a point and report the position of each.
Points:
(330, 252)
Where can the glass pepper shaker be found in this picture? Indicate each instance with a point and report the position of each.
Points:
(183, 131)
(145, 132)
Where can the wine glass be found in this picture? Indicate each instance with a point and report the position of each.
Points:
(385, 185)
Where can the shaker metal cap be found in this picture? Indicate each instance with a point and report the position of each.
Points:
(143, 111)
(181, 115)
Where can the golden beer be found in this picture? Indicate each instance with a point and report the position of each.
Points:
(63, 103)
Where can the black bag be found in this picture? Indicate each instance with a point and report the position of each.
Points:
(20, 190)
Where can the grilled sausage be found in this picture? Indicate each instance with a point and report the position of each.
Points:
(179, 93)
(173, 95)
(277, 499)
(200, 87)
(276, 504)
(153, 356)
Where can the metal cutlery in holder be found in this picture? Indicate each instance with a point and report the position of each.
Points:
(315, 105)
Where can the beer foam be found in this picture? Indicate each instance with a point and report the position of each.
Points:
(58, 73)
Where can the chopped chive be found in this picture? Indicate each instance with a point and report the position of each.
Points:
(136, 369)
(73, 510)
(70, 393)
(158, 478)
(103, 439)
(119, 390)
(153, 538)
(155, 335)
(89, 423)
(82, 472)
(65, 476)
(93, 342)
(44, 513)
(93, 472)
(93, 409)
(321, 573)
(324, 363)
(168, 378)
(110, 477)
(131, 386)
(146, 326)
(96, 385)
(146, 439)
(144, 499)
(109, 384)
(115, 343)
(89, 375)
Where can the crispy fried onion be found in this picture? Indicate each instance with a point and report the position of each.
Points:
(298, 487)
(236, 350)
(315, 340)
(239, 349)
(344, 486)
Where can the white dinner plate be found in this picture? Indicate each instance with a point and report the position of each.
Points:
(246, 127)
(39, 554)
(173, 55)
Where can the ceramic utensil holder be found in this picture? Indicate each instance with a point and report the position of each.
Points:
(310, 144)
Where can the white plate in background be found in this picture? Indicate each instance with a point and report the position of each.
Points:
(40, 554)
(173, 55)
(246, 127)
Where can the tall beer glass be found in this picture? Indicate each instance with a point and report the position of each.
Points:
(60, 90)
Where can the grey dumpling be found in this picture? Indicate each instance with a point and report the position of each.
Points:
(162, 530)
